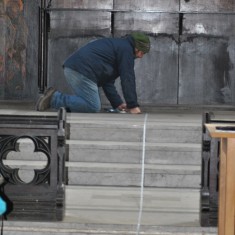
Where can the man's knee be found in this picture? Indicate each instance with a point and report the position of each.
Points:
(95, 108)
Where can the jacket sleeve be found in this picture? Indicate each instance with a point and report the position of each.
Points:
(112, 94)
(127, 76)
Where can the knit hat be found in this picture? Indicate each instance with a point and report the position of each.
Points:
(142, 42)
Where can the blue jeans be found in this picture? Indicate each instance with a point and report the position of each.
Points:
(86, 97)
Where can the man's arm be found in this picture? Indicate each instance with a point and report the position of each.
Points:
(112, 94)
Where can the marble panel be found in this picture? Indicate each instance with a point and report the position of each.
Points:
(209, 24)
(156, 84)
(153, 23)
(81, 4)
(79, 23)
(207, 6)
(59, 50)
(147, 5)
(206, 65)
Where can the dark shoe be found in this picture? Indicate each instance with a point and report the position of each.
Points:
(43, 102)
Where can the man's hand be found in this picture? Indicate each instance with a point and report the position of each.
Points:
(135, 110)
(122, 107)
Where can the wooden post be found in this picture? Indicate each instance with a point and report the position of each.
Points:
(226, 178)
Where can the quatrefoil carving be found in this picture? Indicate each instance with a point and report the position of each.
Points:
(15, 150)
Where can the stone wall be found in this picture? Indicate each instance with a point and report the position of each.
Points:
(192, 53)
(191, 61)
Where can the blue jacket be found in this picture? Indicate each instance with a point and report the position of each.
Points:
(103, 61)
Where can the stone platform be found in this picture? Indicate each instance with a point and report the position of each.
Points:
(104, 173)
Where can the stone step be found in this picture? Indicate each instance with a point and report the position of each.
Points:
(67, 228)
(129, 128)
(108, 174)
(118, 163)
(131, 152)
(118, 152)
(118, 205)
(157, 133)
(115, 210)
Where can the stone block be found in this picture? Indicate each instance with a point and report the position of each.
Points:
(81, 4)
(206, 60)
(207, 6)
(149, 5)
(73, 24)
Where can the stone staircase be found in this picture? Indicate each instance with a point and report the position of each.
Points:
(104, 175)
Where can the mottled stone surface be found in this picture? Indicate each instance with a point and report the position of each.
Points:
(75, 24)
(81, 4)
(151, 23)
(18, 49)
(207, 6)
(206, 66)
(149, 5)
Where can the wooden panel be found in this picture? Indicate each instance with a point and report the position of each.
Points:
(81, 4)
(147, 5)
(208, 5)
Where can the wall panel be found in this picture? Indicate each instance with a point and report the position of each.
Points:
(156, 84)
(81, 4)
(151, 23)
(207, 60)
(79, 23)
(207, 6)
(147, 5)
(71, 30)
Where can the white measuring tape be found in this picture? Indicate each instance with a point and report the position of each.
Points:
(142, 176)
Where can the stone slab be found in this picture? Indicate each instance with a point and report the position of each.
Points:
(130, 175)
(73, 24)
(123, 152)
(107, 211)
(116, 152)
(161, 133)
(81, 4)
(150, 5)
(207, 6)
